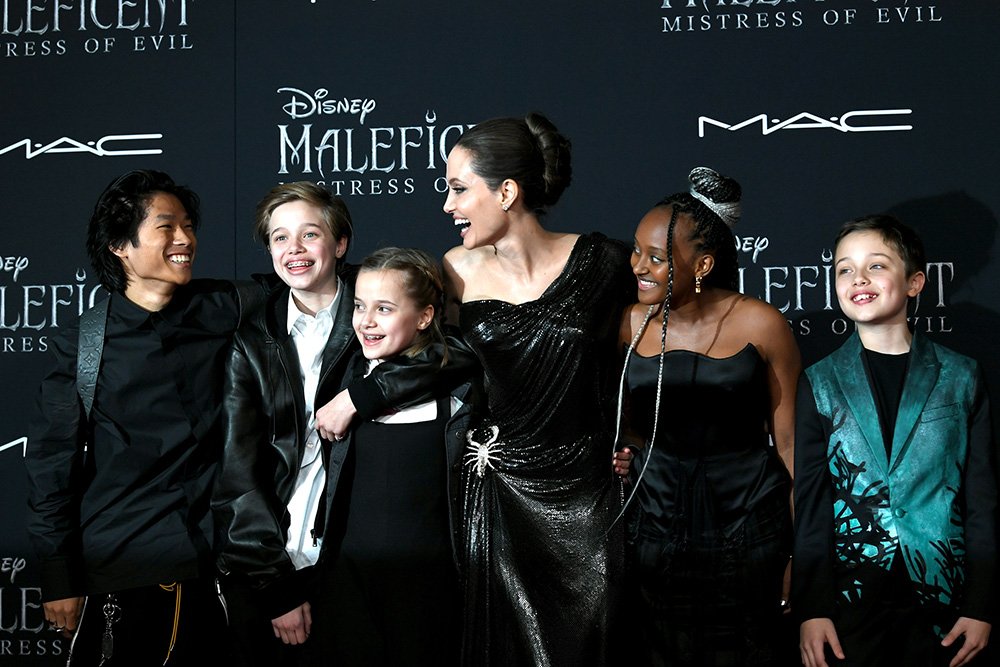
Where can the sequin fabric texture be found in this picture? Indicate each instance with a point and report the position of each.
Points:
(543, 565)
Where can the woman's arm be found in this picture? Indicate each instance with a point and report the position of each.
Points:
(454, 285)
(784, 365)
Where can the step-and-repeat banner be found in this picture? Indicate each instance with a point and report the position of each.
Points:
(823, 110)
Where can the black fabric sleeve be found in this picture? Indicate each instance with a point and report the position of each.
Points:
(53, 460)
(813, 584)
(979, 497)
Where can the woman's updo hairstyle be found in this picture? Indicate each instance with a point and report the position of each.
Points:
(713, 202)
(529, 151)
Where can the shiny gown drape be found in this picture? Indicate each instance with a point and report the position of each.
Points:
(542, 561)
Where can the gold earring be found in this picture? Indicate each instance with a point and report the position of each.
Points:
(697, 284)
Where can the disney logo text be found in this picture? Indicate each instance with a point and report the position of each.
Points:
(303, 104)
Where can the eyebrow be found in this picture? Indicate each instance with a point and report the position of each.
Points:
(652, 247)
(285, 229)
(375, 302)
(870, 255)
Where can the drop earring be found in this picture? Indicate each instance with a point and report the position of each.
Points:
(697, 284)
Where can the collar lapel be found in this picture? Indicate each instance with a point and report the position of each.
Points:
(287, 355)
(853, 381)
(342, 333)
(921, 376)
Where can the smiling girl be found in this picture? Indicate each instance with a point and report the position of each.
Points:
(711, 375)
(395, 476)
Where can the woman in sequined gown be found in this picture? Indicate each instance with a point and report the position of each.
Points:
(710, 522)
(542, 563)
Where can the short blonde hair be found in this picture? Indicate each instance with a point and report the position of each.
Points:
(332, 209)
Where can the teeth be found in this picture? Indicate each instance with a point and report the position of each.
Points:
(462, 222)
(649, 283)
(180, 259)
(863, 297)
(373, 337)
(297, 265)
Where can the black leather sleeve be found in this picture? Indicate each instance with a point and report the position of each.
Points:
(407, 381)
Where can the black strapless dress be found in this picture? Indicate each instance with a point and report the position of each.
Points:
(710, 524)
(542, 566)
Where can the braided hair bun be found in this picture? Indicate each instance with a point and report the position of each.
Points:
(719, 193)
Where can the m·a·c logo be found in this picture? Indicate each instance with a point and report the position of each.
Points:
(862, 120)
(111, 145)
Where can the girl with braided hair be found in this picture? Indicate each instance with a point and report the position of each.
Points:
(391, 520)
(710, 376)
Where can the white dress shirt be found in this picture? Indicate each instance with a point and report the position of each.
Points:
(309, 334)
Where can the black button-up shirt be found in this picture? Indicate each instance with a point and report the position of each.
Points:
(137, 512)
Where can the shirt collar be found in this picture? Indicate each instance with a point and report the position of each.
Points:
(133, 315)
(294, 314)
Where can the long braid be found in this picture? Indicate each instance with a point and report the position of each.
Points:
(711, 195)
(665, 309)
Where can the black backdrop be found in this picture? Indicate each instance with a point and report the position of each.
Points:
(822, 109)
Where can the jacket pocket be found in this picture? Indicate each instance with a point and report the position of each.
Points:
(941, 412)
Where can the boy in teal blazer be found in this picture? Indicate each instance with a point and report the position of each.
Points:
(895, 477)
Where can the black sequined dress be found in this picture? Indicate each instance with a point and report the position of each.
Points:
(710, 524)
(543, 565)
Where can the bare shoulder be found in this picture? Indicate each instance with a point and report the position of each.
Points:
(567, 240)
(631, 321)
(462, 262)
(636, 314)
(454, 258)
(765, 326)
(453, 266)
(465, 270)
(752, 310)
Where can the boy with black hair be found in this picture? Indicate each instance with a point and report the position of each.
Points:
(895, 477)
(123, 446)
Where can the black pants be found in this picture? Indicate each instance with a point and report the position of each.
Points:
(251, 634)
(890, 628)
(177, 624)
(386, 616)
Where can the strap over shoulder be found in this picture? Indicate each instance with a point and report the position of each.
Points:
(93, 324)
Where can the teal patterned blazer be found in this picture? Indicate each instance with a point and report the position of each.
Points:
(912, 504)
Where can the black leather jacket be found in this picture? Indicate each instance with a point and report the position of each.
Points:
(264, 433)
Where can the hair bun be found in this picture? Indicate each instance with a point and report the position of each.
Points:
(555, 150)
(719, 193)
